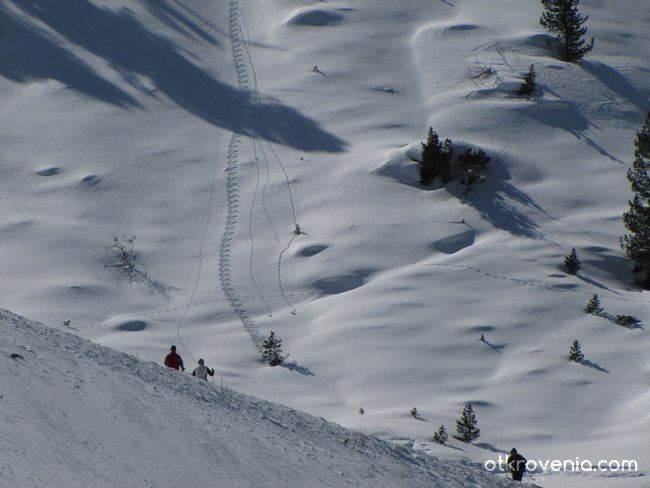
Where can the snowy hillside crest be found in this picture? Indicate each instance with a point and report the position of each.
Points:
(78, 414)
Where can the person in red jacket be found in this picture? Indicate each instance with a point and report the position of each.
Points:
(173, 360)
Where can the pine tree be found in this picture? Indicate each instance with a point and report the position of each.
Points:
(593, 306)
(575, 354)
(441, 436)
(466, 426)
(637, 218)
(572, 263)
(562, 17)
(472, 165)
(272, 350)
(435, 159)
(529, 85)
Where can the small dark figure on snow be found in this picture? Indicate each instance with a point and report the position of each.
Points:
(173, 360)
(202, 371)
(516, 465)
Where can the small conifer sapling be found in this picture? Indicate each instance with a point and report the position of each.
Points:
(593, 306)
(572, 263)
(528, 86)
(441, 436)
(575, 354)
(272, 350)
(467, 425)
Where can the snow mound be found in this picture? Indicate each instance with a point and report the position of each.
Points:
(316, 17)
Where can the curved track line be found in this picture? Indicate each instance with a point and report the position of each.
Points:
(280, 285)
(249, 59)
(251, 236)
(130, 316)
(264, 190)
(522, 282)
(459, 267)
(203, 239)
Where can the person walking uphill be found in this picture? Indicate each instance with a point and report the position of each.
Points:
(516, 465)
(202, 371)
(173, 360)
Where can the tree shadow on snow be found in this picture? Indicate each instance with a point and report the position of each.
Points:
(30, 54)
(595, 283)
(591, 364)
(565, 115)
(489, 447)
(135, 52)
(616, 82)
(294, 366)
(613, 265)
(505, 206)
(172, 17)
(493, 347)
(631, 326)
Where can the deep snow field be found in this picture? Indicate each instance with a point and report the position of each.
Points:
(213, 130)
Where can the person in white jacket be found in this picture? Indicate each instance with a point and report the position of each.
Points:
(202, 371)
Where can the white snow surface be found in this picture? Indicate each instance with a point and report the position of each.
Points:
(76, 414)
(210, 130)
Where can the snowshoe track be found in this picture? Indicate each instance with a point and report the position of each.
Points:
(232, 187)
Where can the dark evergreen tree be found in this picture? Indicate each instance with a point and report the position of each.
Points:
(594, 306)
(467, 425)
(562, 17)
(441, 436)
(572, 263)
(637, 219)
(435, 159)
(272, 350)
(472, 165)
(529, 85)
(575, 354)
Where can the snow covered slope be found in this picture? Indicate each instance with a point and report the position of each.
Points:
(211, 129)
(75, 414)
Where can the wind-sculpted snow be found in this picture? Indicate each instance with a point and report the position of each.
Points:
(76, 414)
